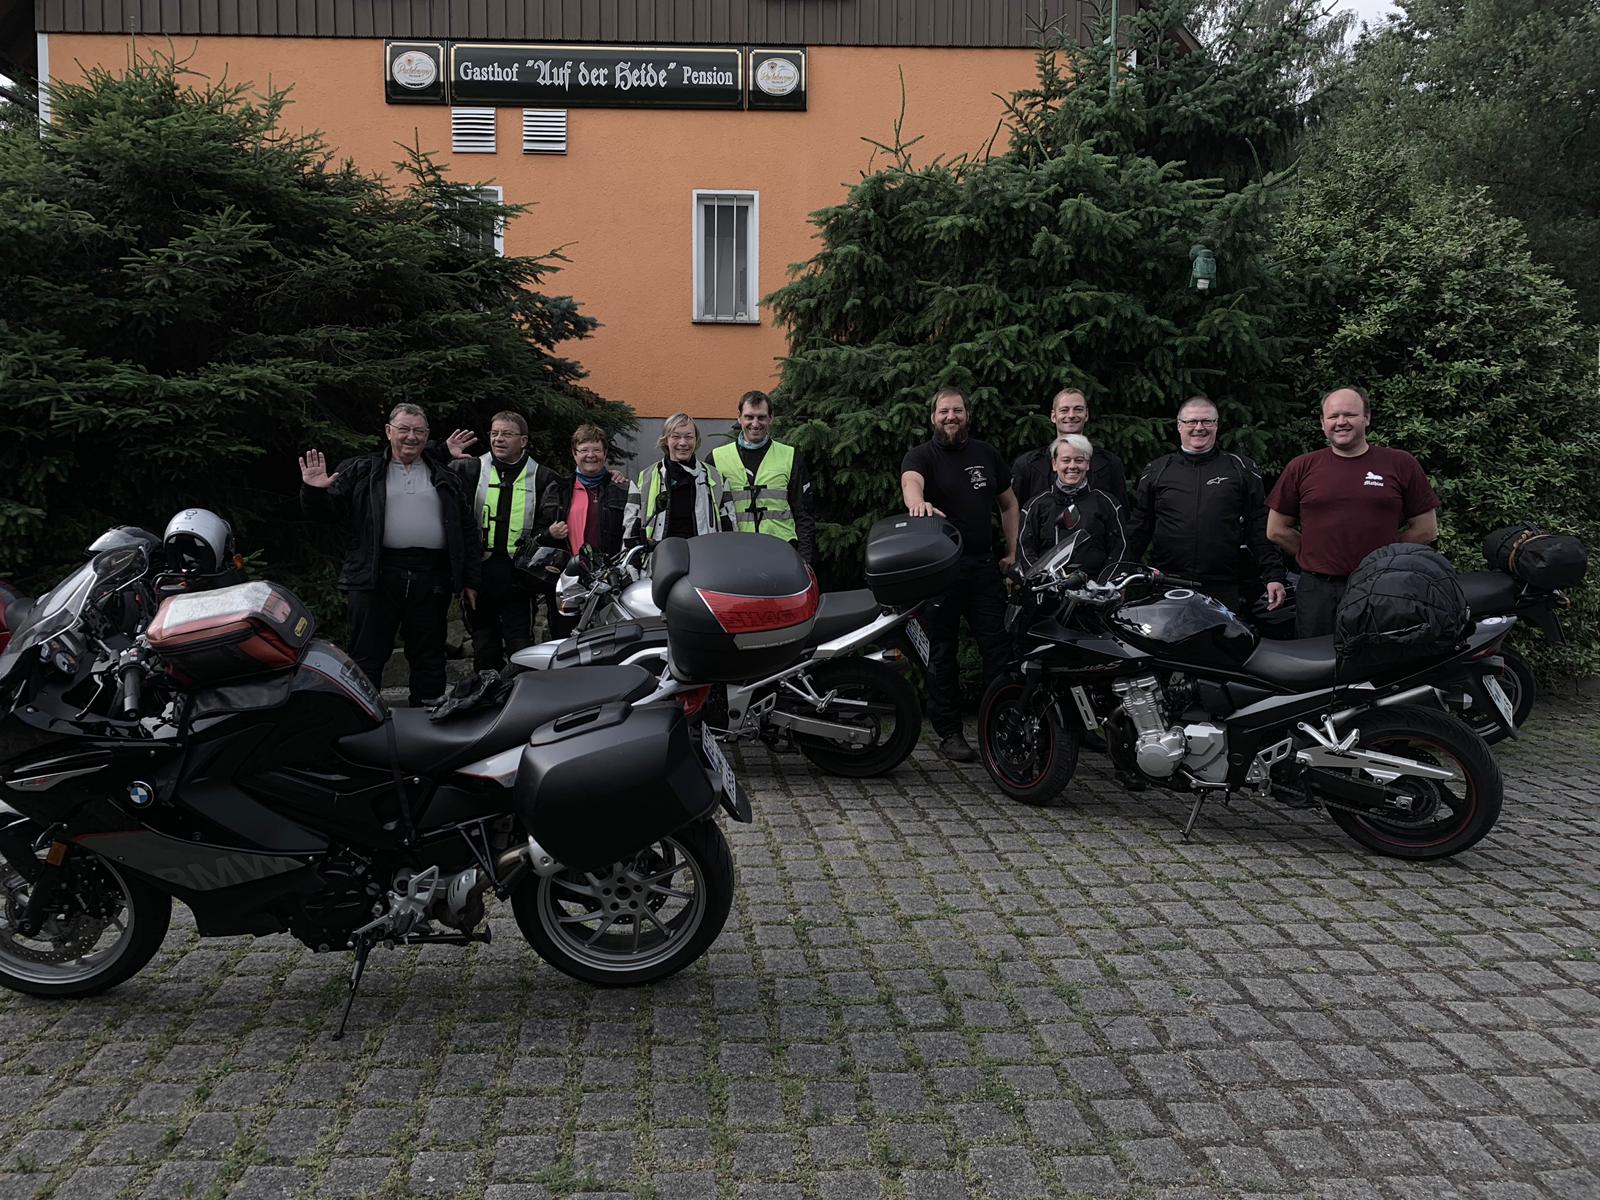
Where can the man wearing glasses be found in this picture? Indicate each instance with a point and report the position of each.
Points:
(512, 498)
(1195, 508)
(413, 544)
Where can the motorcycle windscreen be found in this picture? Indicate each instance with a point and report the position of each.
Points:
(600, 784)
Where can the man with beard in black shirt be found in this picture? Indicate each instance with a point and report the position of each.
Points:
(962, 479)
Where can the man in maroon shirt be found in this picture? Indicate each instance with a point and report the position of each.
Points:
(1347, 501)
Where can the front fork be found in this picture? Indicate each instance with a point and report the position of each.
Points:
(49, 885)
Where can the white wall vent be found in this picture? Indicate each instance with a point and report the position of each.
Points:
(472, 130)
(544, 131)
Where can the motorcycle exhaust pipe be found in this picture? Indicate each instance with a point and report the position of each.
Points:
(532, 856)
(1409, 696)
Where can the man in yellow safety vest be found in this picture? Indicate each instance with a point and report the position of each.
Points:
(511, 499)
(767, 481)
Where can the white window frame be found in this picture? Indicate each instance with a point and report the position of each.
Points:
(496, 194)
(701, 204)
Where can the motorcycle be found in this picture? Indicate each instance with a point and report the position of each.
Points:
(1489, 594)
(1189, 698)
(226, 757)
(1495, 593)
(846, 704)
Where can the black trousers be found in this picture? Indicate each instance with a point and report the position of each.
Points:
(411, 601)
(1316, 601)
(502, 621)
(979, 595)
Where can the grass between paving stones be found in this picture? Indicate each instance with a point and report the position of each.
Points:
(1267, 902)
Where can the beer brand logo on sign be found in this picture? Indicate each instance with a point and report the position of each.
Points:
(414, 70)
(777, 76)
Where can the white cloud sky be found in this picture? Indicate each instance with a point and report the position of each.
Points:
(1370, 11)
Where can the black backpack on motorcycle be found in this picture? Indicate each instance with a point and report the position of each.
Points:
(1546, 560)
(1403, 602)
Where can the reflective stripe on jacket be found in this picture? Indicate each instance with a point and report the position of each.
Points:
(524, 502)
(646, 515)
(762, 504)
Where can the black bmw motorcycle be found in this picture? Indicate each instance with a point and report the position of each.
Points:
(1187, 697)
(227, 758)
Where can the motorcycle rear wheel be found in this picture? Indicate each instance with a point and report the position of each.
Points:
(1030, 755)
(1521, 688)
(77, 952)
(881, 686)
(1448, 816)
(635, 921)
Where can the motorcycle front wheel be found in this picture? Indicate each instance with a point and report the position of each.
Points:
(1027, 751)
(107, 925)
(886, 706)
(1516, 678)
(1444, 816)
(637, 920)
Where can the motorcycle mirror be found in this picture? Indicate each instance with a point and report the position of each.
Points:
(1069, 518)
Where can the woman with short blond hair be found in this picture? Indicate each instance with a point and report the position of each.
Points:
(676, 496)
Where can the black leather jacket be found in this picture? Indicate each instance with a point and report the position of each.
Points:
(1103, 540)
(360, 495)
(1194, 512)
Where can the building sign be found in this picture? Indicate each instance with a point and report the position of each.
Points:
(558, 76)
(595, 76)
(778, 79)
(414, 73)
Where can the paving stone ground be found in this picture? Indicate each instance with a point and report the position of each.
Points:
(925, 991)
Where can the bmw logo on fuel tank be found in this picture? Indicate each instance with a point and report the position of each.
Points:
(141, 794)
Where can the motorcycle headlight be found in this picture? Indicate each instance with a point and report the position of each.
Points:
(570, 594)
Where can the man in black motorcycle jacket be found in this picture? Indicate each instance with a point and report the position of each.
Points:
(1196, 507)
(1072, 505)
(413, 545)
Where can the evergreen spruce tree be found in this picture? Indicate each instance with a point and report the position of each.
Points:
(191, 294)
(1061, 260)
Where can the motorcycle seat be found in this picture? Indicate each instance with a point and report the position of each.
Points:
(1303, 664)
(841, 612)
(425, 746)
(1489, 592)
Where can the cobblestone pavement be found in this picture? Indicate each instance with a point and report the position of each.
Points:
(925, 991)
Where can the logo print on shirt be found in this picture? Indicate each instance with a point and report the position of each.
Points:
(1373, 479)
(979, 479)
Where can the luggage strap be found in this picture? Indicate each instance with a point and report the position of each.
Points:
(1522, 539)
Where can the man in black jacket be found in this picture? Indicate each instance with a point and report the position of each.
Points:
(1195, 509)
(1033, 471)
(413, 545)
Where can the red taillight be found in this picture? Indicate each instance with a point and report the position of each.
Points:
(694, 699)
(759, 614)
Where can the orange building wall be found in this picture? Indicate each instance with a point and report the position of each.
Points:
(620, 199)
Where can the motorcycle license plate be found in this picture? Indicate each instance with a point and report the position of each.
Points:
(1501, 700)
(733, 797)
(919, 639)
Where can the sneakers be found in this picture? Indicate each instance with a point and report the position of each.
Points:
(956, 749)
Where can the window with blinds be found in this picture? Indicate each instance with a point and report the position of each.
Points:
(725, 256)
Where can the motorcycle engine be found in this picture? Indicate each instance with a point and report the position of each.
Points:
(1158, 748)
(346, 900)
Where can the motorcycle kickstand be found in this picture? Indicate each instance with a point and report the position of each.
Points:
(1194, 814)
(363, 948)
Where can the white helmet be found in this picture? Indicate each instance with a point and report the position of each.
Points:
(199, 542)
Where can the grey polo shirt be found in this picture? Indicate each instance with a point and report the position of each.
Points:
(413, 517)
